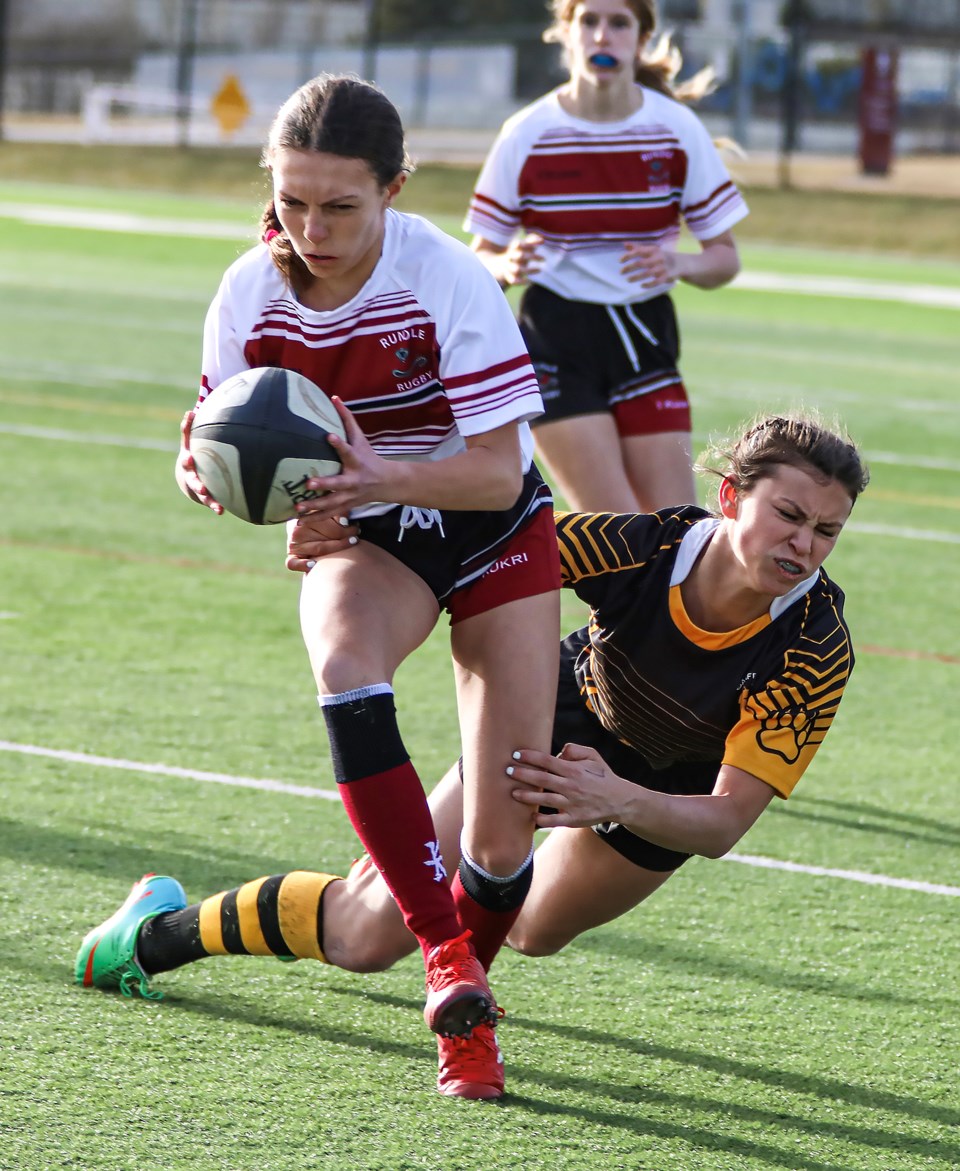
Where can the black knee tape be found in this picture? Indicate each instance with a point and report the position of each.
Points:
(364, 737)
(496, 894)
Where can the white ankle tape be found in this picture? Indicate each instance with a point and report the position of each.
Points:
(495, 877)
(357, 693)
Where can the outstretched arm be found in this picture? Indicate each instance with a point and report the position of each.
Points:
(584, 791)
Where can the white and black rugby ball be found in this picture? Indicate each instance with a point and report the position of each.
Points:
(258, 437)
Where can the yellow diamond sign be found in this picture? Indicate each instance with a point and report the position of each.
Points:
(229, 105)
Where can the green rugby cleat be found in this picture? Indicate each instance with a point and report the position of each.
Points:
(107, 956)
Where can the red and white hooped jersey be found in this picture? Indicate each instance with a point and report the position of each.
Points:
(589, 187)
(426, 353)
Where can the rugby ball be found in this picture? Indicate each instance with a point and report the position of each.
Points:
(258, 437)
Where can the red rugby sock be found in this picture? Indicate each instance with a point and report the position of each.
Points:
(390, 814)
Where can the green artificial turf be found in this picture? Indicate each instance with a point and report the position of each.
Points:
(746, 1018)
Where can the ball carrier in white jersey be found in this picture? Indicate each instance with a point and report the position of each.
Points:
(409, 334)
(582, 198)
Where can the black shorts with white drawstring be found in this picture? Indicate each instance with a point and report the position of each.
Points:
(606, 359)
(473, 560)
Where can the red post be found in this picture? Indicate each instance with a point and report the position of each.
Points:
(878, 109)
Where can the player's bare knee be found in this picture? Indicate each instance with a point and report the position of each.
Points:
(530, 942)
(359, 952)
(362, 960)
(336, 672)
(363, 930)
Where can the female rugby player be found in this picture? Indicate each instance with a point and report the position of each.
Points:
(708, 675)
(581, 199)
(411, 337)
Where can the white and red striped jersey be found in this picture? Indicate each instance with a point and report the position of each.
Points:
(427, 352)
(589, 187)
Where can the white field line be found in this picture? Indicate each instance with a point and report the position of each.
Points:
(166, 770)
(930, 888)
(96, 377)
(79, 437)
(120, 221)
(874, 530)
(930, 463)
(328, 795)
(937, 296)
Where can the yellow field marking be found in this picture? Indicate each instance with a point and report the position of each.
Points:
(900, 653)
(908, 498)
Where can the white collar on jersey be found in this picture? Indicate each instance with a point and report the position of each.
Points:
(691, 547)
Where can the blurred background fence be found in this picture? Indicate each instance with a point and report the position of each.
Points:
(815, 75)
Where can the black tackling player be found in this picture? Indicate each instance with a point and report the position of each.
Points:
(709, 672)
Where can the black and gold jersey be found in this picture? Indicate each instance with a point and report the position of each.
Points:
(760, 698)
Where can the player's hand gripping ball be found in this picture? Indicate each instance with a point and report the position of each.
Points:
(257, 438)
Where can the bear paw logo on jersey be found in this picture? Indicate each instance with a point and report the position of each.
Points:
(785, 728)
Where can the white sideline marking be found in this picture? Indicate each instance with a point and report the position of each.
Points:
(166, 770)
(930, 888)
(931, 463)
(873, 530)
(937, 296)
(121, 221)
(79, 437)
(326, 795)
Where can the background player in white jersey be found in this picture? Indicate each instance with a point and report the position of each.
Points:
(596, 177)
(710, 671)
(408, 333)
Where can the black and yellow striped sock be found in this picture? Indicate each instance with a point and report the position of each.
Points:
(281, 915)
